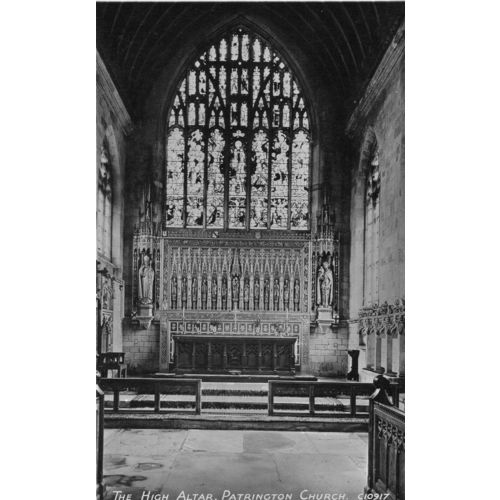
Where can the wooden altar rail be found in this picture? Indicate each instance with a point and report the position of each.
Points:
(153, 386)
(386, 448)
(313, 390)
(100, 442)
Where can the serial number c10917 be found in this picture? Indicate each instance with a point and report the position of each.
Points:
(373, 496)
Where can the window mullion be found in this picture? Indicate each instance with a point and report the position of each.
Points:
(269, 162)
(290, 153)
(185, 160)
(227, 134)
(249, 133)
(206, 135)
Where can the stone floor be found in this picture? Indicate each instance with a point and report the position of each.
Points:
(149, 462)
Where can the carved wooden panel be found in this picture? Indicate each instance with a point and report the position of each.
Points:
(387, 458)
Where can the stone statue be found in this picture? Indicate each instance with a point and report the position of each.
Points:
(173, 292)
(194, 292)
(146, 281)
(296, 296)
(214, 293)
(224, 292)
(204, 292)
(324, 285)
(266, 294)
(236, 291)
(286, 294)
(256, 294)
(276, 294)
(184, 291)
(246, 295)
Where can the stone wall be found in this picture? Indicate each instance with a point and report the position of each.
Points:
(141, 347)
(379, 117)
(113, 126)
(328, 352)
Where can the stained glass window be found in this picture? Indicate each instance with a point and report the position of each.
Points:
(238, 141)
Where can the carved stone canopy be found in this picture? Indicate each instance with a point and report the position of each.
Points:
(382, 320)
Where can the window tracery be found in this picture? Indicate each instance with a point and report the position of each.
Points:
(238, 141)
(104, 204)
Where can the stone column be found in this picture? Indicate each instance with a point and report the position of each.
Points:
(370, 350)
(378, 352)
(395, 354)
(383, 351)
(388, 355)
(401, 371)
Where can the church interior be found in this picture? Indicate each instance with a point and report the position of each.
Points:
(250, 200)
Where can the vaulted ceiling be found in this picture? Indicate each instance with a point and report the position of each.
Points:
(343, 41)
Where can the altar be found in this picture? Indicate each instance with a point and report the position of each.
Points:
(235, 301)
(248, 354)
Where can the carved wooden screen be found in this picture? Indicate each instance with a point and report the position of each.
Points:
(238, 141)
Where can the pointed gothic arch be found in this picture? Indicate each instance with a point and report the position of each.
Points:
(238, 139)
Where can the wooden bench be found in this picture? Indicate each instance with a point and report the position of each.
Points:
(154, 386)
(312, 390)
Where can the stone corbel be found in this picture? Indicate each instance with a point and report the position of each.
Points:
(141, 322)
(401, 325)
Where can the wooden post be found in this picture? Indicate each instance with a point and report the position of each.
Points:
(100, 442)
(209, 356)
(270, 399)
(353, 402)
(311, 399)
(116, 399)
(275, 356)
(176, 355)
(395, 395)
(198, 397)
(193, 360)
(224, 356)
(380, 395)
(259, 356)
(157, 397)
(244, 358)
(371, 434)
